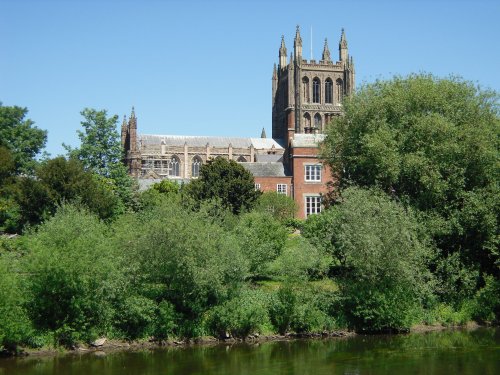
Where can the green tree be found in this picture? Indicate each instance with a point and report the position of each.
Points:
(21, 137)
(58, 181)
(75, 276)
(280, 206)
(433, 144)
(227, 181)
(384, 253)
(101, 152)
(9, 210)
(14, 324)
(262, 239)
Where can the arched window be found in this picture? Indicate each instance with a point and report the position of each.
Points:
(195, 166)
(174, 167)
(316, 90)
(328, 91)
(241, 159)
(307, 121)
(305, 90)
(339, 90)
(317, 121)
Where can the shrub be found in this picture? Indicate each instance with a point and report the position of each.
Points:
(262, 239)
(241, 315)
(75, 277)
(14, 323)
(279, 206)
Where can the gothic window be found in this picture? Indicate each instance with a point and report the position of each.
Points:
(195, 167)
(340, 90)
(305, 88)
(307, 120)
(241, 159)
(317, 121)
(316, 90)
(328, 91)
(174, 167)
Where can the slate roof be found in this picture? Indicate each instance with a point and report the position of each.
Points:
(201, 141)
(266, 169)
(268, 158)
(307, 140)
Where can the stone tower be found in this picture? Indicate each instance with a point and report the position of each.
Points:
(307, 94)
(132, 156)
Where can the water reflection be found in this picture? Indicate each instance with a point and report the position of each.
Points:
(450, 352)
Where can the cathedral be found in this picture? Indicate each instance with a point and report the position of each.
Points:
(306, 94)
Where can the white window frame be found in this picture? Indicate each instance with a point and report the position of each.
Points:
(282, 189)
(257, 186)
(314, 174)
(312, 204)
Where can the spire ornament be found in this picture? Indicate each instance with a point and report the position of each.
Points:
(326, 52)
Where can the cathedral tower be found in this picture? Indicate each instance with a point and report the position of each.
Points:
(306, 94)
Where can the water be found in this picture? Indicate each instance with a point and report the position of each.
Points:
(448, 353)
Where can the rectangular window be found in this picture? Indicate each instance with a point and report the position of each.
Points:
(313, 172)
(257, 186)
(313, 205)
(281, 189)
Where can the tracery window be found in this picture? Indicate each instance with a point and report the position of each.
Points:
(316, 90)
(328, 91)
(174, 167)
(339, 90)
(305, 88)
(307, 120)
(195, 167)
(317, 121)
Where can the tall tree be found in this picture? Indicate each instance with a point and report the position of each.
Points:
(227, 181)
(432, 143)
(100, 151)
(21, 137)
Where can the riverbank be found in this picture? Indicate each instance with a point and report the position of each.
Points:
(105, 346)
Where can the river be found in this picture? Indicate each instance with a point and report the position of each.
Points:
(447, 352)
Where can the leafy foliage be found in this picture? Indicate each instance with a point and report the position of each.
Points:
(384, 255)
(58, 181)
(101, 152)
(280, 206)
(227, 181)
(21, 137)
(433, 143)
(262, 239)
(74, 276)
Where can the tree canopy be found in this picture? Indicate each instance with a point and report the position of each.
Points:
(227, 181)
(433, 144)
(21, 137)
(101, 152)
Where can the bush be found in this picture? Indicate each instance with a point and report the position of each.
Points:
(384, 255)
(279, 206)
(300, 309)
(14, 323)
(241, 315)
(192, 263)
(299, 260)
(136, 316)
(262, 239)
(487, 302)
(166, 321)
(75, 277)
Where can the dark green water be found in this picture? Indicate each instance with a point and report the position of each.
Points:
(447, 353)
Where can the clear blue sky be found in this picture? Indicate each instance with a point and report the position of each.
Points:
(204, 67)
